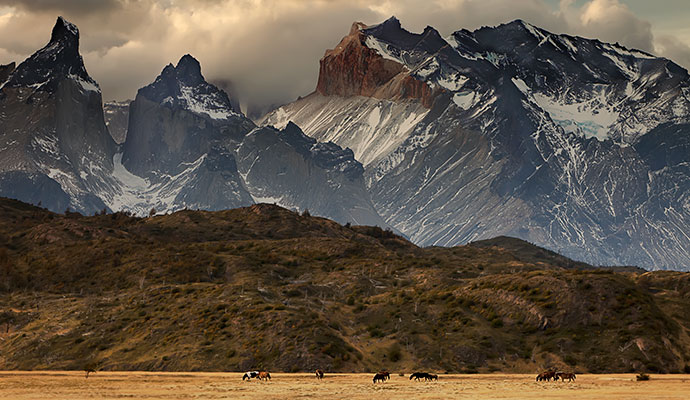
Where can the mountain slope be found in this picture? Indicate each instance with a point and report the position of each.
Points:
(512, 130)
(181, 291)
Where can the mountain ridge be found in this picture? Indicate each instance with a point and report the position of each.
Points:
(531, 134)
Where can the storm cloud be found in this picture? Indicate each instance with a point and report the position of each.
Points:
(270, 49)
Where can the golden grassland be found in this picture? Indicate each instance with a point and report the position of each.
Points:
(160, 385)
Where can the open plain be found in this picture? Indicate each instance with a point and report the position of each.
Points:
(149, 385)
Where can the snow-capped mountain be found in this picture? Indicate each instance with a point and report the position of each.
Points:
(570, 143)
(186, 145)
(54, 147)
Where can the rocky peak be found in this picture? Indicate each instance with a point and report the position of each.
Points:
(361, 65)
(184, 87)
(58, 60)
(188, 71)
(65, 33)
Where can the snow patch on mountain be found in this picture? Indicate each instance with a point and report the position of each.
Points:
(591, 118)
(383, 49)
(465, 100)
(88, 85)
(137, 195)
(372, 128)
(204, 103)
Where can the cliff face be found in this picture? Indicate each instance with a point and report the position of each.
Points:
(53, 136)
(353, 69)
(289, 168)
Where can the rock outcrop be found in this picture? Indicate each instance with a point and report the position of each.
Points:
(354, 69)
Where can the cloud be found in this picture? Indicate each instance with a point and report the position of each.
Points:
(612, 21)
(270, 49)
(72, 6)
(673, 49)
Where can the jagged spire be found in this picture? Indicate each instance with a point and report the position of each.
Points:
(65, 32)
(57, 60)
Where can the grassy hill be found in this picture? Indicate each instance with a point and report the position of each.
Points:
(263, 287)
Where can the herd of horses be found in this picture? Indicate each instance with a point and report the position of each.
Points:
(383, 376)
(551, 374)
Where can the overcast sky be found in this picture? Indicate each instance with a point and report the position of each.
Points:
(270, 49)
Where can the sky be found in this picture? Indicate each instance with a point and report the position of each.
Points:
(270, 49)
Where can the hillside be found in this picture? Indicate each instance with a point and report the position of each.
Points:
(264, 287)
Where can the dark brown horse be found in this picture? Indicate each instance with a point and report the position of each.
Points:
(566, 375)
(432, 377)
(319, 374)
(89, 370)
(546, 376)
(381, 377)
(419, 375)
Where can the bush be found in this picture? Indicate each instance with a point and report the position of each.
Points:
(394, 353)
(643, 377)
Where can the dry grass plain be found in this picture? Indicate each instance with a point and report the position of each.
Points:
(148, 385)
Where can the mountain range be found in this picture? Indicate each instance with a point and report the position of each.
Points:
(570, 143)
(186, 145)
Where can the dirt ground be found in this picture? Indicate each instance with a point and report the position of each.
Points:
(147, 385)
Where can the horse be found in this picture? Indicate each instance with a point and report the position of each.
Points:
(385, 373)
(380, 377)
(264, 376)
(431, 377)
(566, 375)
(319, 374)
(419, 375)
(250, 374)
(546, 376)
(88, 371)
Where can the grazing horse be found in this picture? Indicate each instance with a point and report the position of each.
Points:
(546, 376)
(380, 377)
(88, 371)
(264, 376)
(250, 374)
(319, 374)
(431, 377)
(566, 375)
(418, 375)
(385, 374)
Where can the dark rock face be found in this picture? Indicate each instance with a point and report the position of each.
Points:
(116, 119)
(576, 145)
(177, 119)
(53, 131)
(228, 87)
(180, 125)
(289, 168)
(5, 71)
